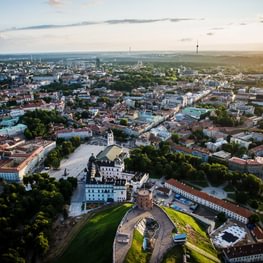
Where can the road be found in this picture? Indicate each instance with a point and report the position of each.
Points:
(164, 237)
(77, 199)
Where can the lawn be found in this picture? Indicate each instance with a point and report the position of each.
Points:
(196, 232)
(94, 241)
(197, 258)
(136, 253)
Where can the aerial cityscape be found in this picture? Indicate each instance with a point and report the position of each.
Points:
(131, 131)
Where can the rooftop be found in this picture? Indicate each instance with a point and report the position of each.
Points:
(110, 153)
(227, 205)
(242, 251)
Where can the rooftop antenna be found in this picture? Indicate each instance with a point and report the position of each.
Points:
(197, 46)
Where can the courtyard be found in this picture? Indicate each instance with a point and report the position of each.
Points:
(77, 161)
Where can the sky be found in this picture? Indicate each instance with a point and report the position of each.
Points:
(28, 26)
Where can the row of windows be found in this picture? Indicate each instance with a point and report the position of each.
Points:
(211, 205)
(100, 191)
(109, 169)
(246, 258)
(110, 173)
(9, 176)
(99, 195)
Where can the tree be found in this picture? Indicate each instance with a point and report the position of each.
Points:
(28, 134)
(124, 122)
(175, 137)
(254, 204)
(221, 217)
(55, 163)
(85, 115)
(254, 219)
(12, 256)
(234, 148)
(67, 148)
(75, 141)
(241, 197)
(41, 243)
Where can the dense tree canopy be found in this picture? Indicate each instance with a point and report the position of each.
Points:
(26, 216)
(223, 118)
(63, 148)
(160, 161)
(38, 122)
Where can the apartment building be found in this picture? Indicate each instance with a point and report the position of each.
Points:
(234, 211)
(245, 253)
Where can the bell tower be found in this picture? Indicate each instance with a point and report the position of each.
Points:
(110, 138)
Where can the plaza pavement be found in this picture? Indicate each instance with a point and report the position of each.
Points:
(77, 161)
(75, 165)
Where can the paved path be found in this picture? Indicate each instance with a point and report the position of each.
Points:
(202, 252)
(164, 237)
(77, 199)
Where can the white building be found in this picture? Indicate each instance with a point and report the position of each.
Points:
(215, 146)
(234, 211)
(24, 160)
(107, 179)
(110, 138)
(83, 133)
(14, 130)
(106, 191)
(16, 113)
(245, 253)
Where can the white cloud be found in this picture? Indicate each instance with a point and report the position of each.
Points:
(55, 3)
(3, 36)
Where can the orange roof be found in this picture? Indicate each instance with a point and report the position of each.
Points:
(182, 148)
(237, 160)
(227, 205)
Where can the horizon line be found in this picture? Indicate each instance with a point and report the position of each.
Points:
(130, 52)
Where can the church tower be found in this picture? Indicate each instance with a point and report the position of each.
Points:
(110, 138)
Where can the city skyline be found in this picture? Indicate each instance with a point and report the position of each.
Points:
(117, 25)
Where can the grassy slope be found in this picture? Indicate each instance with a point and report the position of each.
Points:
(174, 255)
(195, 232)
(136, 253)
(94, 242)
(198, 258)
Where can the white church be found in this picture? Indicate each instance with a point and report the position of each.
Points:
(107, 179)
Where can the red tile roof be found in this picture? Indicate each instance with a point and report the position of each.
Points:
(227, 205)
(182, 149)
(237, 160)
(243, 251)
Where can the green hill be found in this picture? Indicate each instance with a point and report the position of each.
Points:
(94, 242)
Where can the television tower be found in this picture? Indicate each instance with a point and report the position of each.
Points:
(197, 46)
